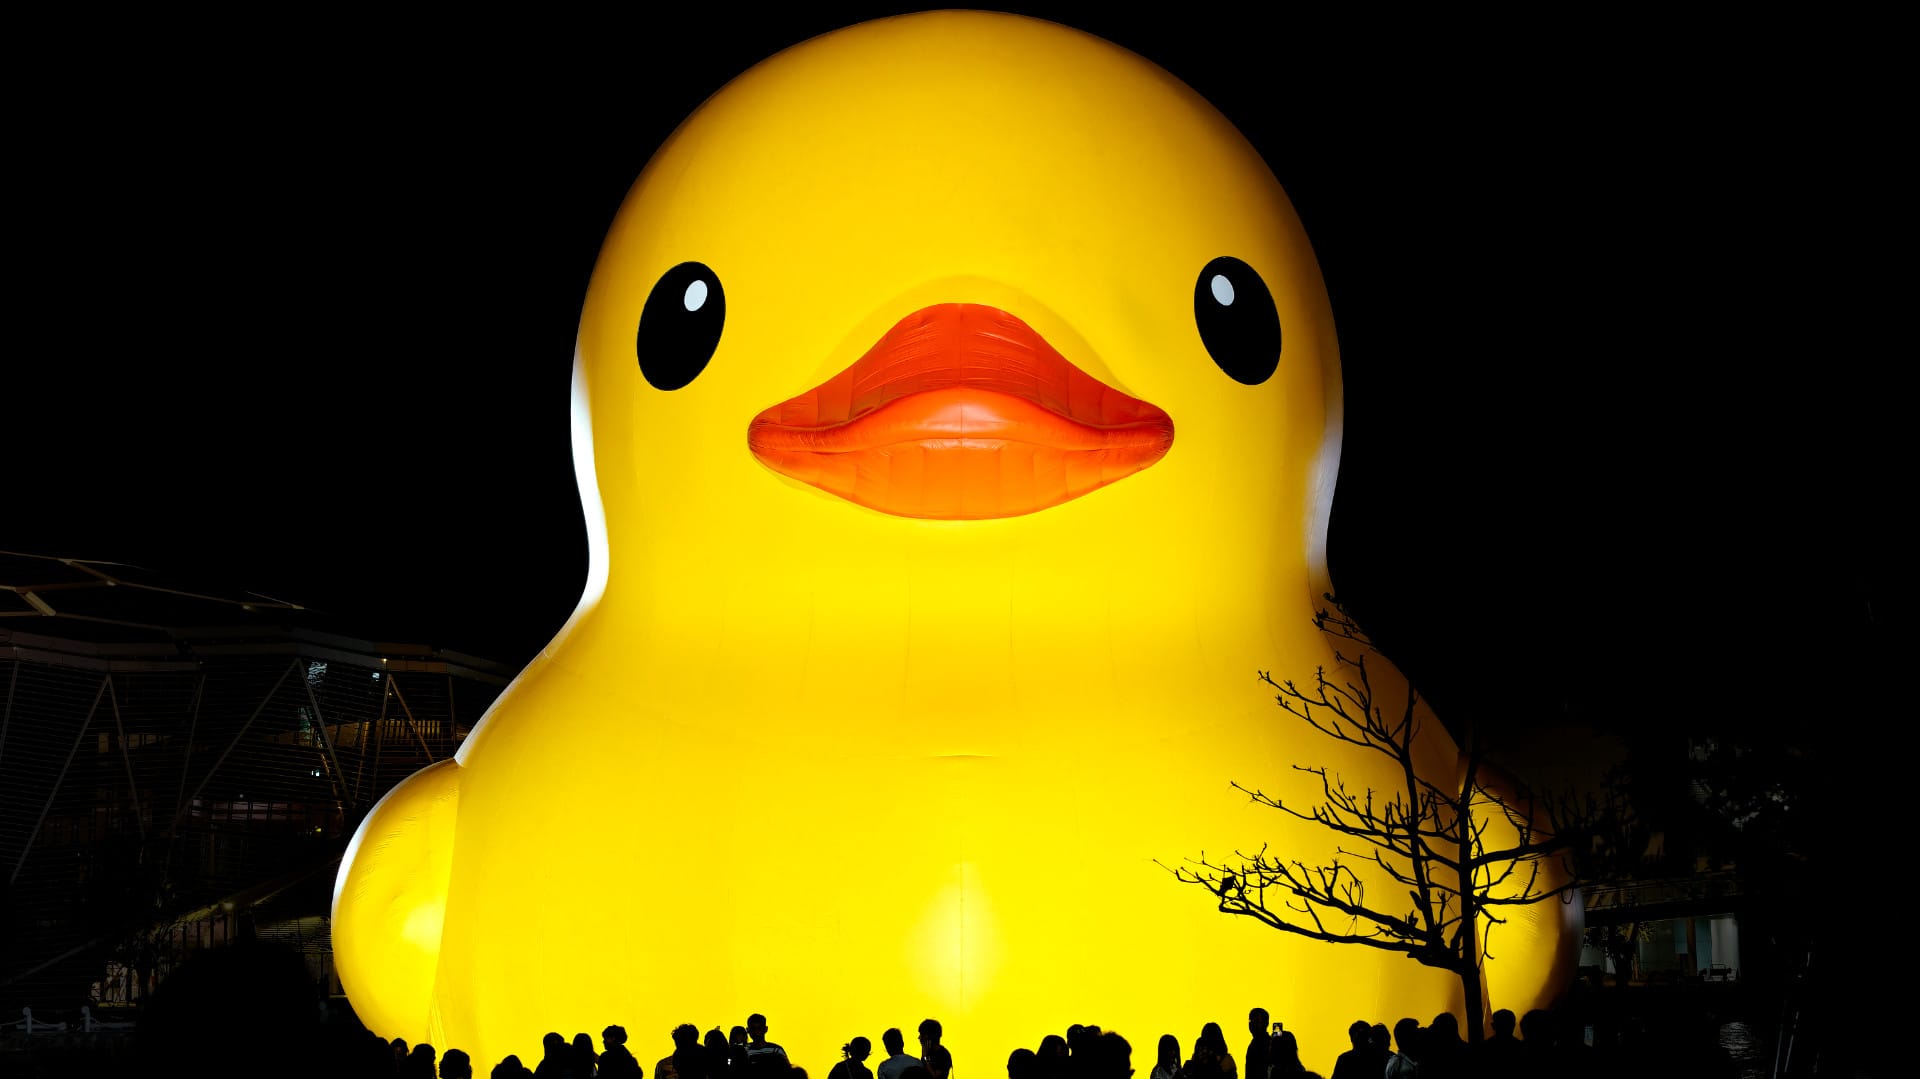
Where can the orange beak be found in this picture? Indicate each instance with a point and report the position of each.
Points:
(961, 412)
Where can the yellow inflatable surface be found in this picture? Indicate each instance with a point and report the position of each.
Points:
(957, 411)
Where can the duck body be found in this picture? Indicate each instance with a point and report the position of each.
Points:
(847, 733)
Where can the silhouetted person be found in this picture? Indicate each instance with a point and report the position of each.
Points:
(1199, 1063)
(1023, 1064)
(897, 1062)
(934, 1056)
(616, 1060)
(1443, 1050)
(1285, 1060)
(853, 1061)
(510, 1067)
(1079, 1053)
(1052, 1059)
(713, 1049)
(371, 1056)
(737, 1052)
(1499, 1057)
(1112, 1056)
(1218, 1037)
(585, 1060)
(1210, 1059)
(419, 1063)
(1260, 1047)
(1405, 1061)
(1166, 1063)
(400, 1049)
(1536, 1043)
(456, 1064)
(765, 1059)
(556, 1058)
(1365, 1060)
(694, 1060)
(687, 1061)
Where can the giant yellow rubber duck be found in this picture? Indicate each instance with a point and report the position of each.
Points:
(957, 412)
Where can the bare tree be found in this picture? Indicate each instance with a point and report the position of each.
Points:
(1430, 838)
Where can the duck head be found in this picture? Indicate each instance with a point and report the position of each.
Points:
(939, 281)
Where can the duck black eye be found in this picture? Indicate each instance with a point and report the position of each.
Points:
(1237, 320)
(680, 326)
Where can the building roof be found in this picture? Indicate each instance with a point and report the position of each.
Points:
(113, 615)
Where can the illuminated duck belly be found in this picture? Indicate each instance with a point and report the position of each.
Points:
(964, 823)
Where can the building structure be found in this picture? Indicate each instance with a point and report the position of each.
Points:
(182, 765)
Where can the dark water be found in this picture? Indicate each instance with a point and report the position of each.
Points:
(1750, 1050)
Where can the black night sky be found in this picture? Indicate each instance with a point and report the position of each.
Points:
(300, 305)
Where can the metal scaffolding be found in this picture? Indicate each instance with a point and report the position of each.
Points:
(164, 787)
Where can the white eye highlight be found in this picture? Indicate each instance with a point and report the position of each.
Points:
(697, 294)
(1222, 289)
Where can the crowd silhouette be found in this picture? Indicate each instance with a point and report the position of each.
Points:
(251, 1014)
(1533, 1047)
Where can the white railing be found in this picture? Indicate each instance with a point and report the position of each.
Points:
(84, 1023)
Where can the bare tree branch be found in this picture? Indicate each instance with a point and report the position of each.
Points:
(1431, 840)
